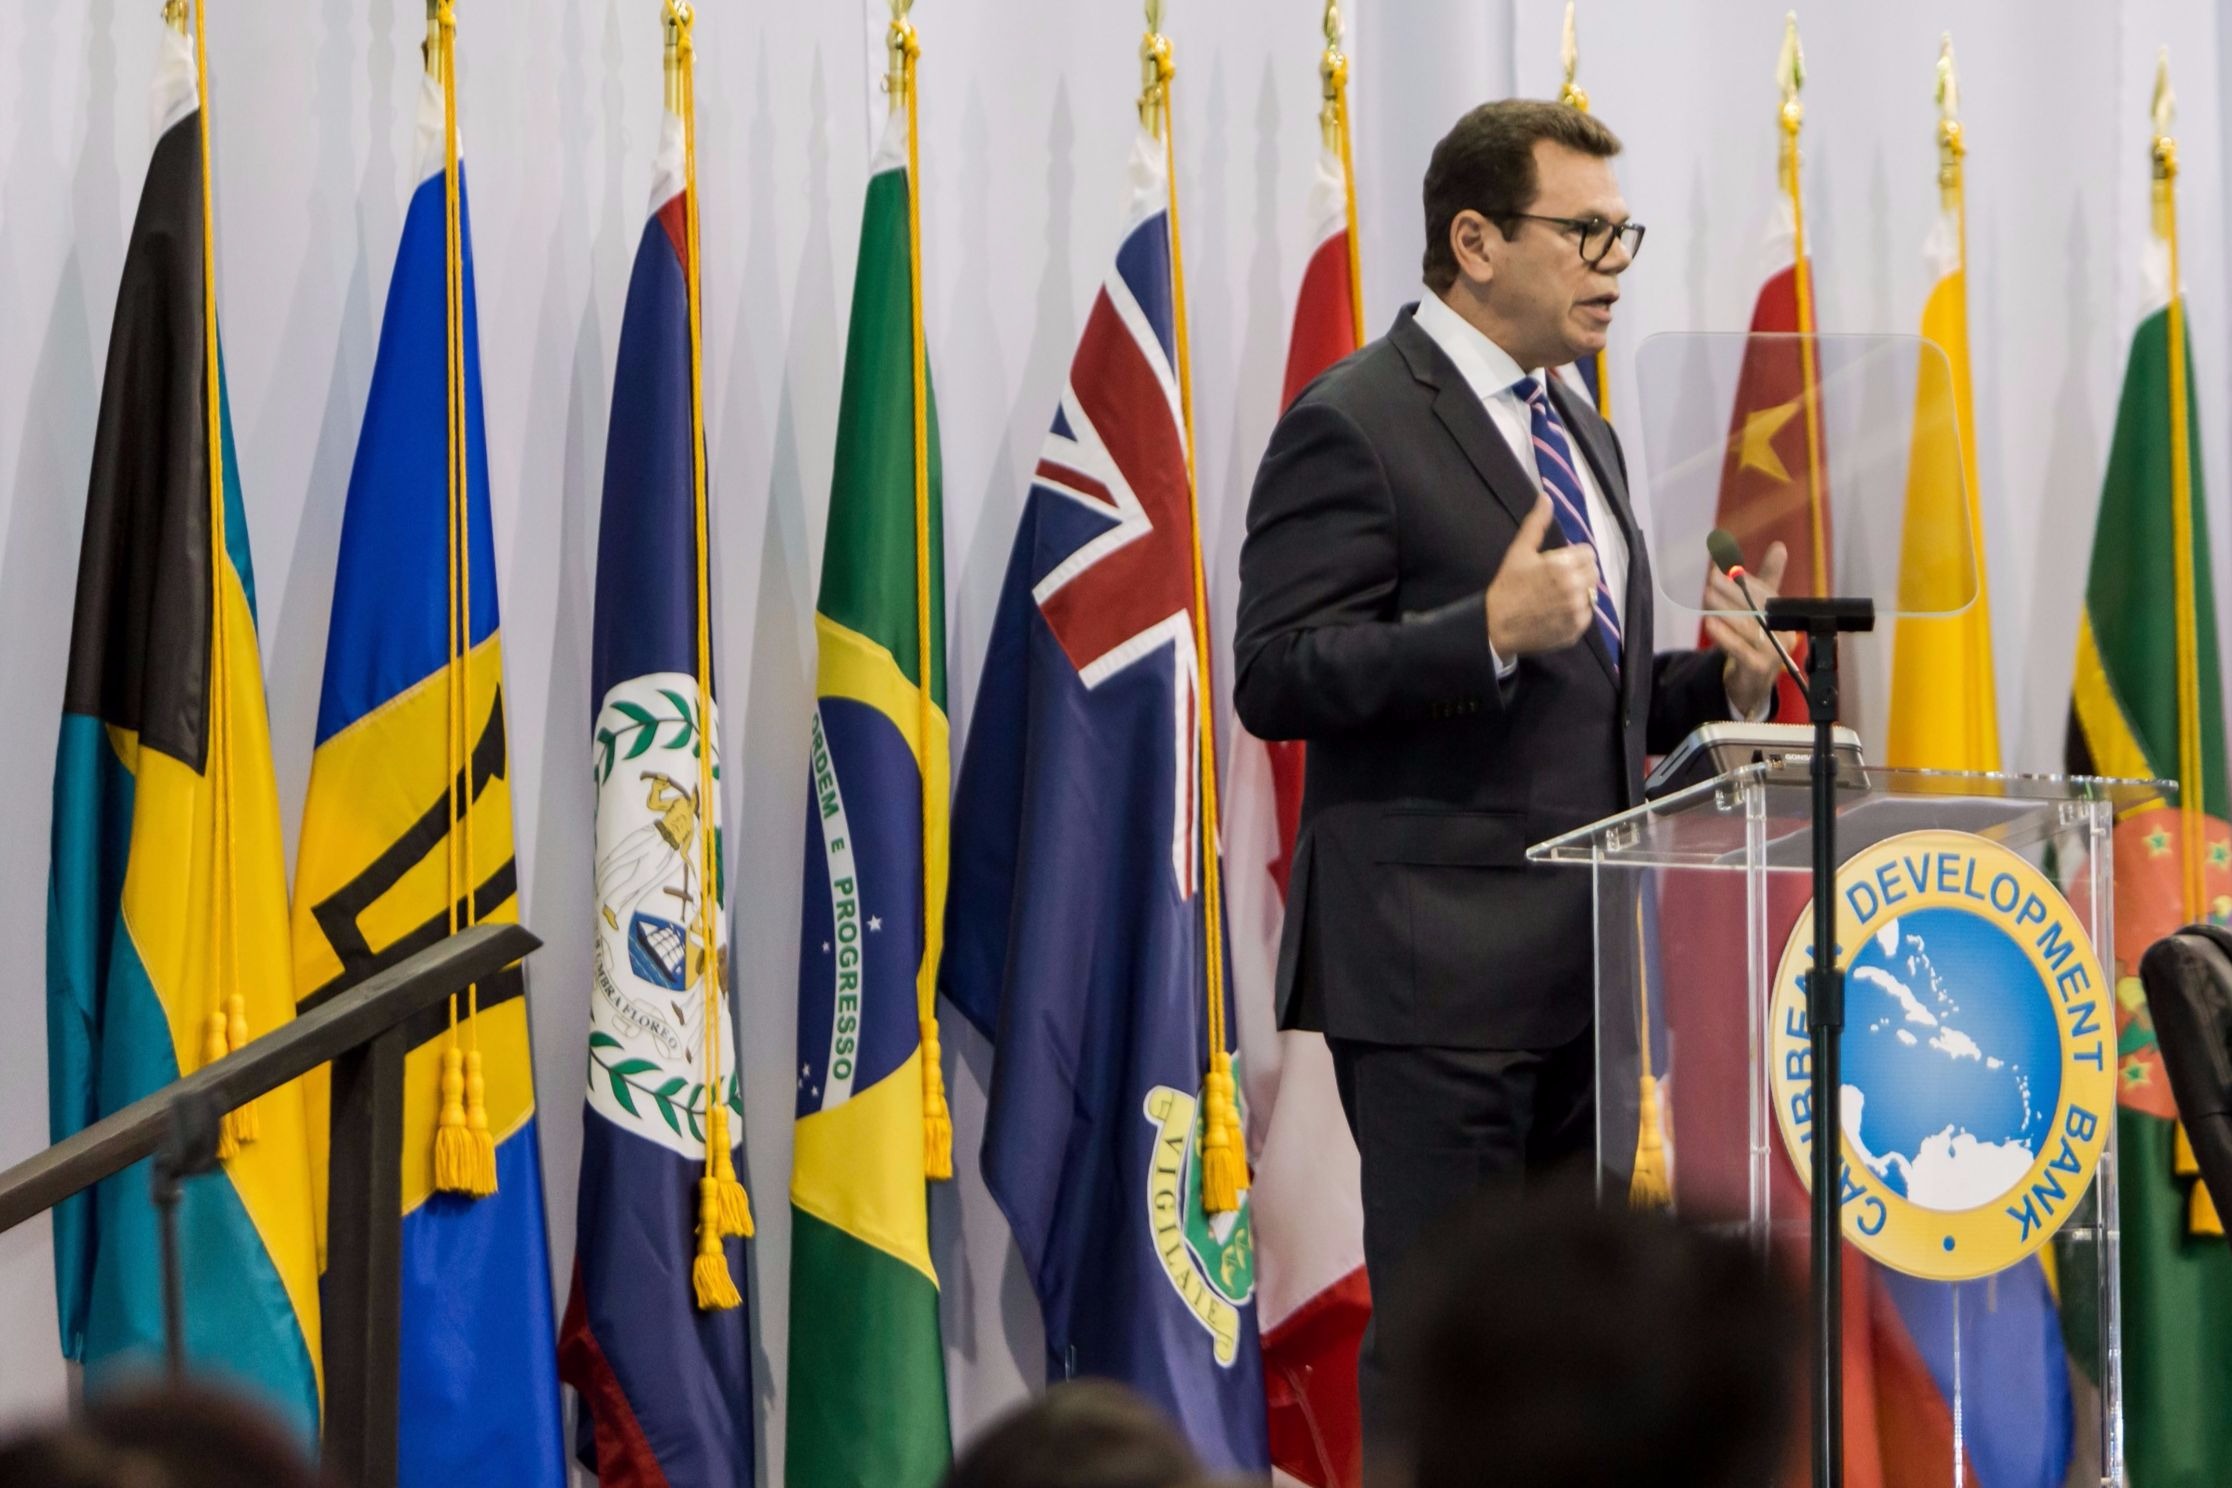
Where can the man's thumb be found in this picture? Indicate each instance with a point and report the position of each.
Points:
(1534, 532)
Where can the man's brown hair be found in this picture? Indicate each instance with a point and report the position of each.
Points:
(1486, 164)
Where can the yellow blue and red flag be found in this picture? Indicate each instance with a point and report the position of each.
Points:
(665, 1381)
(167, 907)
(407, 833)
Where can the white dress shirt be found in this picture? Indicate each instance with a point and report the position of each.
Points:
(1491, 374)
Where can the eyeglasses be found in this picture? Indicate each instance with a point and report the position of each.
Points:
(1595, 235)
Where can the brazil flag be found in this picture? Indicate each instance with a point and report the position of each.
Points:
(167, 907)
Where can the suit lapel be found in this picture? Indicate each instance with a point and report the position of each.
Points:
(1466, 420)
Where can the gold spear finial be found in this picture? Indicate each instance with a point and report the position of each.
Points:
(671, 23)
(1155, 69)
(2165, 110)
(1569, 57)
(432, 49)
(174, 15)
(1951, 146)
(1790, 75)
(900, 43)
(1332, 77)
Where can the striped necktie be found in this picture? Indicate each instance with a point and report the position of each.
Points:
(1554, 460)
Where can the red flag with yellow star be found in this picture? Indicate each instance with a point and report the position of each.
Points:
(1774, 483)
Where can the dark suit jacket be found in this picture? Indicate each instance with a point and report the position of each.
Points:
(1382, 510)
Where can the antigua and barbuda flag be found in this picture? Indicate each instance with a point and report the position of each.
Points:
(167, 895)
(867, 1368)
(1307, 1208)
(1075, 936)
(479, 1378)
(665, 1386)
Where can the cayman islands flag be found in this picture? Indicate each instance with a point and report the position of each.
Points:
(1076, 928)
(167, 900)
(665, 1386)
(867, 1368)
(380, 831)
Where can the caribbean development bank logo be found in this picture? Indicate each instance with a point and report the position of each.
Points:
(1210, 1259)
(1978, 1070)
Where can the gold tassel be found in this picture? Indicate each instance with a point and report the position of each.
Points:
(709, 1273)
(1652, 1187)
(247, 1123)
(213, 1049)
(937, 1117)
(482, 1141)
(2201, 1213)
(1224, 1162)
(453, 1142)
(735, 1205)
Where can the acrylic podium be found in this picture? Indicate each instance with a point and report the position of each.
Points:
(1978, 1100)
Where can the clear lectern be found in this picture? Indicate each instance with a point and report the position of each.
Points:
(1979, 1179)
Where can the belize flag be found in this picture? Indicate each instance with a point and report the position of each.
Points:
(666, 1387)
(1075, 933)
(479, 1379)
(167, 900)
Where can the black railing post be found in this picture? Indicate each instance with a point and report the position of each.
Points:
(364, 1256)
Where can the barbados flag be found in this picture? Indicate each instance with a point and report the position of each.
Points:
(665, 1384)
(867, 1370)
(406, 832)
(167, 904)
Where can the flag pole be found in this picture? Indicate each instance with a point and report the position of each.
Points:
(1790, 74)
(1333, 118)
(1573, 95)
(937, 1118)
(2202, 1217)
(1224, 1158)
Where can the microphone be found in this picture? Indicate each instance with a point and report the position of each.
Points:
(1728, 557)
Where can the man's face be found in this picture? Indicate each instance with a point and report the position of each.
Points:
(1553, 307)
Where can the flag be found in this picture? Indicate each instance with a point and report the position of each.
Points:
(1076, 930)
(1944, 709)
(867, 1368)
(381, 843)
(166, 900)
(1995, 1344)
(665, 1385)
(1306, 1208)
(2148, 702)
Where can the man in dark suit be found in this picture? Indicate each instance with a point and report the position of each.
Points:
(1444, 592)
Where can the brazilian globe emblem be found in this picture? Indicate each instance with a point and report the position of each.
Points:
(1209, 1259)
(1978, 1055)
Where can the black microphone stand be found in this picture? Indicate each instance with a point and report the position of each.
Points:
(1822, 621)
(189, 1147)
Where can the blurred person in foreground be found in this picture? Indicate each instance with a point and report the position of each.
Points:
(163, 1436)
(1554, 1344)
(1087, 1433)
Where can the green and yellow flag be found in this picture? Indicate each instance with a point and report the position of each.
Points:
(1944, 708)
(867, 1373)
(2148, 700)
(167, 897)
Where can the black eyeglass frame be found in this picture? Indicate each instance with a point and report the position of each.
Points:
(1630, 232)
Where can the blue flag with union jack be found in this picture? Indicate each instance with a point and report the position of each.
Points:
(1074, 926)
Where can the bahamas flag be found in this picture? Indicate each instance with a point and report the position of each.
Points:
(1077, 929)
(373, 880)
(167, 901)
(867, 1371)
(665, 1387)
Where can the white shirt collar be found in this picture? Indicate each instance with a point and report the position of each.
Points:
(1488, 369)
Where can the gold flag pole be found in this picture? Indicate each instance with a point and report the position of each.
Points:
(2202, 1217)
(1333, 119)
(1572, 95)
(902, 84)
(1224, 1158)
(1790, 77)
